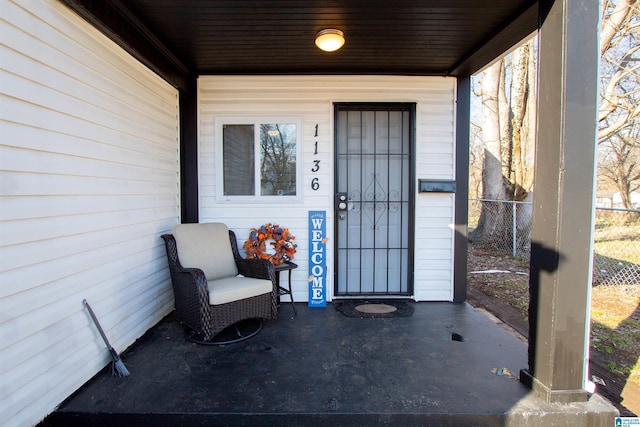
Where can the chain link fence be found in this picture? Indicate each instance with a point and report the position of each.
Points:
(616, 247)
(505, 226)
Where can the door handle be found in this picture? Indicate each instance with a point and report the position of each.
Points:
(341, 201)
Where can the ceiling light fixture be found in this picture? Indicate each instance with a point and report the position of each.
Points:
(330, 39)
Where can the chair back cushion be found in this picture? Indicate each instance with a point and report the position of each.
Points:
(206, 246)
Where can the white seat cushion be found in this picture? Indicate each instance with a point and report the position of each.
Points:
(231, 289)
(206, 246)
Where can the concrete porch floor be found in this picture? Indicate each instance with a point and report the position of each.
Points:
(323, 368)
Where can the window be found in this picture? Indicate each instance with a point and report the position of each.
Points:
(258, 159)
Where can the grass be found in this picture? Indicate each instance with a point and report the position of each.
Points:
(615, 327)
(615, 296)
(619, 250)
(615, 309)
(617, 238)
(615, 330)
(615, 316)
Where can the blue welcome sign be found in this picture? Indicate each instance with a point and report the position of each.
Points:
(317, 259)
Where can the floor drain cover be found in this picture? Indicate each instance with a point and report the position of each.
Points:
(375, 308)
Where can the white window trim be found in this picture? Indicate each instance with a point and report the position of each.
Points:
(256, 121)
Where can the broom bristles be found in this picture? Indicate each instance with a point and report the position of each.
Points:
(119, 369)
(117, 366)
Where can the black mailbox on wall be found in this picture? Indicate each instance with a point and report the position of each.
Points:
(436, 186)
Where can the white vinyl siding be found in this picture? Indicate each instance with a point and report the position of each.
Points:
(89, 180)
(312, 98)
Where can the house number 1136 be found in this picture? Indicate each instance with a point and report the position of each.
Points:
(315, 182)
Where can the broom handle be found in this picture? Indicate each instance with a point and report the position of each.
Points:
(95, 320)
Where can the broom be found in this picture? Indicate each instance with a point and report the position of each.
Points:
(117, 366)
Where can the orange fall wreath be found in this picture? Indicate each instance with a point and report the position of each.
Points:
(283, 245)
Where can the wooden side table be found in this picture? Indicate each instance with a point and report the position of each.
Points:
(285, 266)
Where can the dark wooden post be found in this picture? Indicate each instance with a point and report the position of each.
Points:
(463, 124)
(189, 152)
(563, 199)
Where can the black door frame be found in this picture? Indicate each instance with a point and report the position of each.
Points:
(379, 106)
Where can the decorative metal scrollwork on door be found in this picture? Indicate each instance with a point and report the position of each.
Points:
(374, 203)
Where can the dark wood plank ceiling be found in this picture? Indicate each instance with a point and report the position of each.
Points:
(258, 36)
(412, 37)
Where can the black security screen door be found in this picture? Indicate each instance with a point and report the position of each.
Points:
(374, 199)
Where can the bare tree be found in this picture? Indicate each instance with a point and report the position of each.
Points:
(619, 113)
(508, 107)
(619, 162)
(492, 179)
(475, 161)
(508, 116)
(522, 109)
(277, 159)
(489, 223)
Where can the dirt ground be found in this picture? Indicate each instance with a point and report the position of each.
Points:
(499, 283)
(499, 276)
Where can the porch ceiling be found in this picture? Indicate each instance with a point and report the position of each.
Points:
(407, 37)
